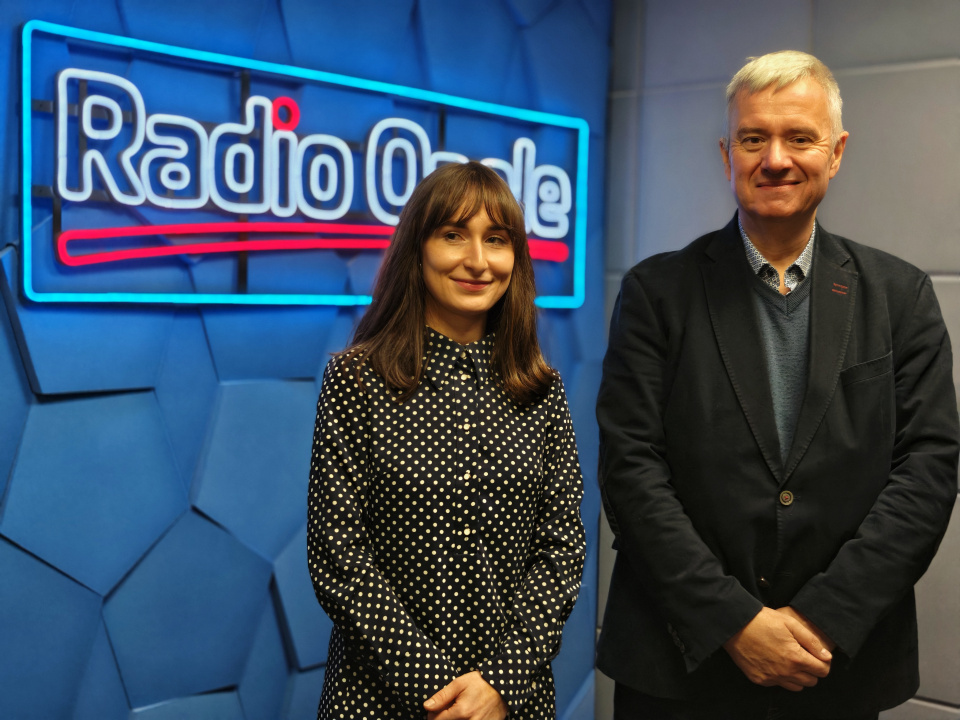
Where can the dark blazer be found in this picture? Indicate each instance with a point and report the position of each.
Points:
(711, 525)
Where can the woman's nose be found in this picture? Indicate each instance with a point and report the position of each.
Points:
(475, 258)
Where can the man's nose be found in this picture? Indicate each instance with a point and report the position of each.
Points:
(475, 258)
(776, 158)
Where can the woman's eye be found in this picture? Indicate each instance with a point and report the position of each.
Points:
(451, 236)
(497, 240)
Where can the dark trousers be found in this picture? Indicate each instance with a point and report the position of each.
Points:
(630, 704)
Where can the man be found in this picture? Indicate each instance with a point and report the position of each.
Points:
(779, 442)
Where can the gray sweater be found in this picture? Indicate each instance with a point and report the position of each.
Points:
(784, 322)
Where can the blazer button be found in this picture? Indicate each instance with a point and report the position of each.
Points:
(763, 583)
(786, 498)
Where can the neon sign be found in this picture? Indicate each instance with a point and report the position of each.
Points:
(287, 185)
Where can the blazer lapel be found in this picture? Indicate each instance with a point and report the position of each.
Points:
(727, 282)
(832, 300)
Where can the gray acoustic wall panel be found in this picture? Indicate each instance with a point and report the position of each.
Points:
(947, 288)
(898, 187)
(921, 710)
(898, 182)
(854, 33)
(706, 41)
(938, 602)
(683, 191)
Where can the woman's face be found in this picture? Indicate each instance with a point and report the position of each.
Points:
(466, 269)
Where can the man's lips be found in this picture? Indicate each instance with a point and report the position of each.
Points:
(778, 183)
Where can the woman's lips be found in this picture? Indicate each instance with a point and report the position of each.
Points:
(473, 285)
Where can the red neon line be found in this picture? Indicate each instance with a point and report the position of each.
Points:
(548, 250)
(222, 247)
(225, 227)
(539, 249)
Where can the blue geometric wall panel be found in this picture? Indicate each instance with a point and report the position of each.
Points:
(254, 477)
(528, 12)
(263, 686)
(15, 395)
(47, 627)
(267, 342)
(71, 349)
(360, 38)
(235, 22)
(271, 44)
(94, 485)
(578, 634)
(101, 695)
(307, 625)
(116, 593)
(184, 620)
(212, 706)
(186, 390)
(303, 694)
(449, 71)
(569, 25)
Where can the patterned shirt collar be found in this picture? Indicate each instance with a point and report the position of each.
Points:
(444, 356)
(796, 273)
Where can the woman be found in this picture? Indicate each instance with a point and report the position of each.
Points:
(444, 529)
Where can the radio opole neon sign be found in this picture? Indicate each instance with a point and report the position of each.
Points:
(288, 188)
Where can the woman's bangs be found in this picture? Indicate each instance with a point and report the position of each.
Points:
(460, 204)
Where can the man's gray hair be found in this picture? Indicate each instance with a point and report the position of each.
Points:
(783, 68)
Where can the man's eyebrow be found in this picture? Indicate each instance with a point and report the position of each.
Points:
(795, 130)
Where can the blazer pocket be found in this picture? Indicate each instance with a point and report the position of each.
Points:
(867, 370)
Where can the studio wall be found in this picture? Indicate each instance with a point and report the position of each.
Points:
(154, 458)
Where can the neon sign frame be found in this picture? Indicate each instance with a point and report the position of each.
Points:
(579, 125)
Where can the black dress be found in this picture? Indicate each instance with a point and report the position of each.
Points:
(444, 536)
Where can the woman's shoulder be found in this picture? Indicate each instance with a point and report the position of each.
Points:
(554, 393)
(349, 372)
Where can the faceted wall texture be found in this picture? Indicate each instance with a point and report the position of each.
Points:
(154, 459)
(898, 187)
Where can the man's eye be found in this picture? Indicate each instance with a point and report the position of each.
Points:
(751, 141)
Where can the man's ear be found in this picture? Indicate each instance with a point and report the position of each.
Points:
(726, 157)
(838, 153)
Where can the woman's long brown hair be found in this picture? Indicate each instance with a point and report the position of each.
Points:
(390, 335)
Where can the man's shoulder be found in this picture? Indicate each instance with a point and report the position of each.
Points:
(665, 267)
(878, 266)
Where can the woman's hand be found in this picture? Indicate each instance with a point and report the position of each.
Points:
(468, 697)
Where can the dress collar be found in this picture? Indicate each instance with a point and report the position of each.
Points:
(444, 355)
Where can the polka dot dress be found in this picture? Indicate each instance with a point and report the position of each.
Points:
(444, 536)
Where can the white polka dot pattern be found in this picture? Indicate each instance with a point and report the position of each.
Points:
(444, 536)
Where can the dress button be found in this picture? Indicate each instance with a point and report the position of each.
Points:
(786, 498)
(464, 376)
(463, 355)
(763, 583)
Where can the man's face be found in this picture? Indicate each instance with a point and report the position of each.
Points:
(781, 156)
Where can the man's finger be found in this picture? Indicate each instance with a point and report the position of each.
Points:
(817, 658)
(821, 650)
